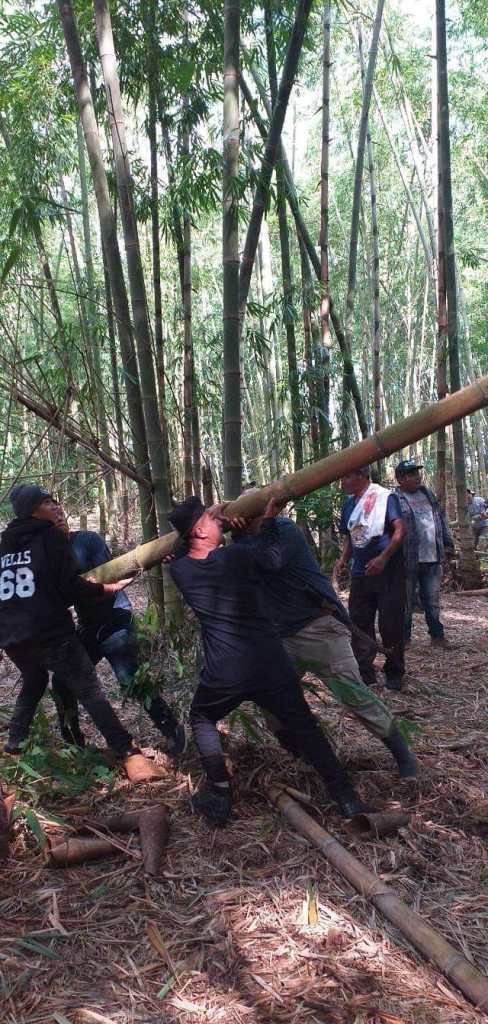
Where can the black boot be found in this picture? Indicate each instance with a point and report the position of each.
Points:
(404, 757)
(214, 803)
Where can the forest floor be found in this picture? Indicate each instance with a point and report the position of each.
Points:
(222, 935)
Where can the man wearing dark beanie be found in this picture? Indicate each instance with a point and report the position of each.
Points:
(39, 582)
(244, 658)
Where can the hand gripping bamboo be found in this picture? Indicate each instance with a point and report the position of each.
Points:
(434, 947)
(320, 473)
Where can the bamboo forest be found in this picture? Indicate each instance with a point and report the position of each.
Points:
(244, 511)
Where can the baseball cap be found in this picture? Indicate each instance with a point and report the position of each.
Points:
(407, 466)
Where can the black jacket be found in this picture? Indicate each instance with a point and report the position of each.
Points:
(38, 583)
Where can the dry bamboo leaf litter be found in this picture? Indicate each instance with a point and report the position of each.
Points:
(229, 906)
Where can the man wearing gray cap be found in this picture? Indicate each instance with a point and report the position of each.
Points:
(427, 538)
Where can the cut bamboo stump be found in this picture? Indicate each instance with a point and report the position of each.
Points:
(422, 936)
(6, 803)
(152, 823)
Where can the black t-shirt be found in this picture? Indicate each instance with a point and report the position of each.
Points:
(240, 644)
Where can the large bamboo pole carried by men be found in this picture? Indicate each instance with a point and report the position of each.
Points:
(318, 474)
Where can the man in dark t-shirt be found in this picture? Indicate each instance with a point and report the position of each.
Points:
(377, 575)
(244, 658)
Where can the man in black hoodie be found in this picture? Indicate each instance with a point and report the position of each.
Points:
(39, 582)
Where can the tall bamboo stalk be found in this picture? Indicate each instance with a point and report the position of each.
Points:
(468, 562)
(286, 267)
(137, 286)
(378, 417)
(271, 149)
(230, 254)
(326, 341)
(356, 203)
(304, 234)
(114, 262)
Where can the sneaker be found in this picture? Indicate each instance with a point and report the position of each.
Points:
(393, 684)
(214, 803)
(177, 743)
(11, 748)
(440, 641)
(350, 803)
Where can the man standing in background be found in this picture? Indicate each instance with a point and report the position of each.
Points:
(373, 531)
(427, 538)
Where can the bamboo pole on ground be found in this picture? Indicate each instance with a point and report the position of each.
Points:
(425, 939)
(318, 474)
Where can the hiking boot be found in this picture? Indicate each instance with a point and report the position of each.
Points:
(393, 683)
(404, 757)
(177, 743)
(214, 803)
(440, 641)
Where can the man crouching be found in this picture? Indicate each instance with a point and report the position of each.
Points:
(244, 658)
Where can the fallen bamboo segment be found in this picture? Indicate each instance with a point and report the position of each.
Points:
(472, 593)
(378, 823)
(434, 947)
(296, 485)
(152, 823)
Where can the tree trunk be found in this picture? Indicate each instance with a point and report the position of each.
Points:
(378, 415)
(230, 255)
(271, 149)
(304, 234)
(469, 564)
(114, 262)
(286, 268)
(134, 263)
(93, 338)
(188, 397)
(326, 342)
(119, 422)
(356, 203)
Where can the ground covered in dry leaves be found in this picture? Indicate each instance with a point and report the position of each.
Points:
(222, 935)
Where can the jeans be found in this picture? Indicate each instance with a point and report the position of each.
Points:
(120, 650)
(67, 658)
(428, 577)
(324, 646)
(383, 595)
(299, 730)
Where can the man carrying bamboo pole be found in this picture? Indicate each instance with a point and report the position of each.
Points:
(316, 629)
(243, 658)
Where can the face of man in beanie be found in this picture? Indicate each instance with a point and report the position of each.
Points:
(52, 512)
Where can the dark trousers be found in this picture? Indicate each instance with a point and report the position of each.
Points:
(299, 731)
(68, 659)
(382, 595)
(120, 650)
(428, 578)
